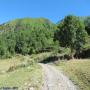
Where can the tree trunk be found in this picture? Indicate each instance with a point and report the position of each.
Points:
(72, 54)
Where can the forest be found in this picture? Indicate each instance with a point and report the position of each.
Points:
(27, 36)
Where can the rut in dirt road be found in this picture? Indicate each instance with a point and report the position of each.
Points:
(55, 80)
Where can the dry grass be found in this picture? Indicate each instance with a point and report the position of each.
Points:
(22, 77)
(78, 71)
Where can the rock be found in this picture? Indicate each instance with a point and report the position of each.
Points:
(31, 88)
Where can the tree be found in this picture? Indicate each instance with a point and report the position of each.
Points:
(21, 42)
(71, 33)
(87, 25)
(10, 41)
(3, 47)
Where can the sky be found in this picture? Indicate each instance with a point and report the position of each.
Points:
(53, 10)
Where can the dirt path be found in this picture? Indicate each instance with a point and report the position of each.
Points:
(55, 80)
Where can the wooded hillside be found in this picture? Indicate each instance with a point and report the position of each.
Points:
(36, 35)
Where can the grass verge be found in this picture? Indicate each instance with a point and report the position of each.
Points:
(78, 71)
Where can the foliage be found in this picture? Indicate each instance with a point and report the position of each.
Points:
(31, 36)
(27, 24)
(71, 33)
(87, 24)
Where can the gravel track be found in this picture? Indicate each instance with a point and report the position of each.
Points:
(55, 80)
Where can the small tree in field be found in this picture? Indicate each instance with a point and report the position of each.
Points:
(71, 33)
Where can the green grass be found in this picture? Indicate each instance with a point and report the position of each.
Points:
(22, 77)
(78, 71)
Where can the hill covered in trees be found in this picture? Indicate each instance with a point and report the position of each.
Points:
(26, 36)
(36, 35)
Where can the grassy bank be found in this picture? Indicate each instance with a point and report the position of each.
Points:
(78, 71)
(20, 72)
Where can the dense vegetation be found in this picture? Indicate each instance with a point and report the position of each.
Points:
(71, 33)
(28, 36)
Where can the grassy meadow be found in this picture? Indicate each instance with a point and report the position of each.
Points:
(18, 72)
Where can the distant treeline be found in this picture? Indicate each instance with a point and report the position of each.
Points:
(29, 36)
